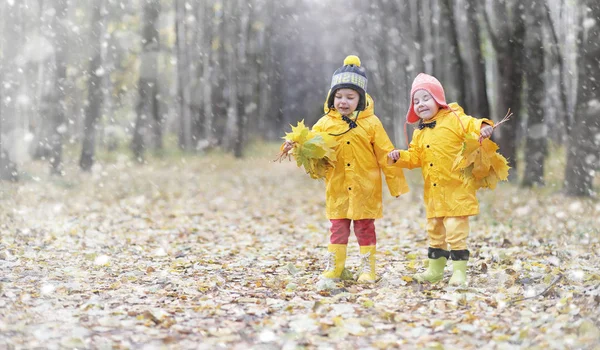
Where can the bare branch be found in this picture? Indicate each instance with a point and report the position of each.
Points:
(544, 292)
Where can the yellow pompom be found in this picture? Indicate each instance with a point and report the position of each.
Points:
(352, 60)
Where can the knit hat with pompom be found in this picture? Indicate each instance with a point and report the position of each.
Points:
(349, 76)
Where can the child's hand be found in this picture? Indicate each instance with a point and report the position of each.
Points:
(393, 156)
(486, 131)
(285, 148)
(288, 145)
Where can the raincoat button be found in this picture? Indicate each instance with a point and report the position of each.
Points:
(430, 164)
(348, 164)
(427, 146)
(349, 188)
(348, 142)
(434, 185)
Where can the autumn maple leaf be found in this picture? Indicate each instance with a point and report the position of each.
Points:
(315, 151)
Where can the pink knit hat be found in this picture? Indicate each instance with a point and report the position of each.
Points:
(430, 84)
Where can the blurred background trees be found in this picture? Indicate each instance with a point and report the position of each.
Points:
(142, 75)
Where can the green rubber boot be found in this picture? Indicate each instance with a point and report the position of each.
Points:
(459, 276)
(437, 262)
(459, 266)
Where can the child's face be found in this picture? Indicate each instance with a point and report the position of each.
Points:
(346, 101)
(424, 105)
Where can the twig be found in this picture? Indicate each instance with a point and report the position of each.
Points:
(282, 155)
(544, 292)
(505, 119)
(285, 153)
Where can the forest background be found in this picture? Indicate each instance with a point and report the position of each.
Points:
(221, 74)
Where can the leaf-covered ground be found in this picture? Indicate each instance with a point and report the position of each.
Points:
(211, 252)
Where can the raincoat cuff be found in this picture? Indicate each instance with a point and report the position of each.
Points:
(485, 121)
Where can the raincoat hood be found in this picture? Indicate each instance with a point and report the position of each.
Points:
(430, 84)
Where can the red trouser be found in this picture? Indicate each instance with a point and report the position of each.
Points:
(363, 229)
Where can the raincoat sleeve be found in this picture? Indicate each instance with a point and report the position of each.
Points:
(318, 127)
(410, 158)
(474, 124)
(394, 176)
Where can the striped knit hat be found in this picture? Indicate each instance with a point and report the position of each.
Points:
(349, 76)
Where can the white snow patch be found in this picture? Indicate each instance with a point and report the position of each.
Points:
(102, 260)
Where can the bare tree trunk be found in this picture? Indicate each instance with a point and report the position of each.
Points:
(93, 109)
(449, 55)
(204, 123)
(219, 78)
(183, 83)
(269, 116)
(58, 121)
(147, 107)
(14, 82)
(566, 115)
(475, 84)
(243, 73)
(41, 125)
(509, 51)
(418, 50)
(8, 169)
(382, 73)
(207, 99)
(107, 131)
(536, 139)
(582, 148)
(232, 81)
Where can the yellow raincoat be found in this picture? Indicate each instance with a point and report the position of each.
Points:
(434, 150)
(354, 185)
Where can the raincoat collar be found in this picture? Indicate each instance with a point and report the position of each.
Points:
(452, 108)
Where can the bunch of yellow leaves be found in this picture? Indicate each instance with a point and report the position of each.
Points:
(478, 160)
(312, 150)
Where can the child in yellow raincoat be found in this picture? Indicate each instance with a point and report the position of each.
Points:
(354, 185)
(448, 200)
